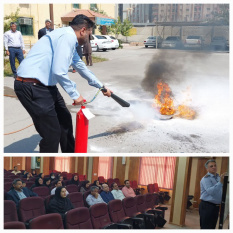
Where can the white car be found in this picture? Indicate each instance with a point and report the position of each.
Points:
(101, 43)
(114, 41)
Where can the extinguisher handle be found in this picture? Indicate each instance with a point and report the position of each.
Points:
(84, 102)
(120, 101)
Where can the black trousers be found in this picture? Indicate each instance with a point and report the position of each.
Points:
(208, 215)
(50, 115)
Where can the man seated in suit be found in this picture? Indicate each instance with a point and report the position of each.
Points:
(106, 194)
(18, 193)
(46, 29)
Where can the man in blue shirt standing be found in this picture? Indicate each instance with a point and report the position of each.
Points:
(106, 194)
(211, 196)
(47, 64)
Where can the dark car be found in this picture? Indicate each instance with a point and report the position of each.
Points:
(173, 42)
(219, 43)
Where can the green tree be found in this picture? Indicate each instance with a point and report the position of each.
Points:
(116, 27)
(13, 17)
(125, 28)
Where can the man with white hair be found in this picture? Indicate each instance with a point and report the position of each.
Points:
(211, 196)
(47, 29)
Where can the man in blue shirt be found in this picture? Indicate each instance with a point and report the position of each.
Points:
(18, 193)
(47, 64)
(211, 196)
(106, 194)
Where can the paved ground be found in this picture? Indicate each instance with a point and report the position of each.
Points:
(138, 129)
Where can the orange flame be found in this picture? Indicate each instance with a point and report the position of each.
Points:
(164, 103)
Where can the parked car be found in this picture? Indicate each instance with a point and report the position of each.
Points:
(151, 41)
(194, 42)
(172, 42)
(114, 41)
(101, 42)
(219, 43)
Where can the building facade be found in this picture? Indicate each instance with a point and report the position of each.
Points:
(32, 16)
(152, 13)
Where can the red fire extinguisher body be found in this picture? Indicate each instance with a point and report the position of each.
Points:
(81, 137)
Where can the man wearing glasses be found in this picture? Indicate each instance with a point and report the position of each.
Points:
(211, 196)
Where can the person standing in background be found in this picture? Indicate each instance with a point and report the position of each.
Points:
(87, 51)
(14, 45)
(47, 29)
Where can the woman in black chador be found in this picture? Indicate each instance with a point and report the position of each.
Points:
(60, 203)
(74, 180)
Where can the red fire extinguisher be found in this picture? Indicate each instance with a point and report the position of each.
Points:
(81, 137)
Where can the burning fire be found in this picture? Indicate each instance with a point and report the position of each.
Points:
(164, 103)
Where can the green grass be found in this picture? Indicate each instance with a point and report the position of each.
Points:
(96, 59)
(7, 67)
(8, 72)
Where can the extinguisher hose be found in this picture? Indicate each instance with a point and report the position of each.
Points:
(97, 93)
(120, 101)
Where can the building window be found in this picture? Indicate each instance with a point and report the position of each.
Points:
(76, 6)
(208, 9)
(93, 7)
(62, 164)
(159, 170)
(187, 9)
(105, 167)
(25, 26)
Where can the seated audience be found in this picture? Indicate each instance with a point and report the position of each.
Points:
(38, 182)
(74, 180)
(94, 197)
(116, 192)
(97, 184)
(47, 182)
(34, 173)
(23, 184)
(52, 176)
(28, 175)
(127, 190)
(23, 173)
(41, 175)
(15, 171)
(60, 203)
(106, 194)
(85, 186)
(58, 183)
(61, 178)
(18, 193)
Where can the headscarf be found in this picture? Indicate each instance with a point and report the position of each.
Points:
(34, 174)
(52, 174)
(59, 204)
(40, 175)
(45, 180)
(37, 184)
(94, 184)
(73, 181)
(84, 184)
